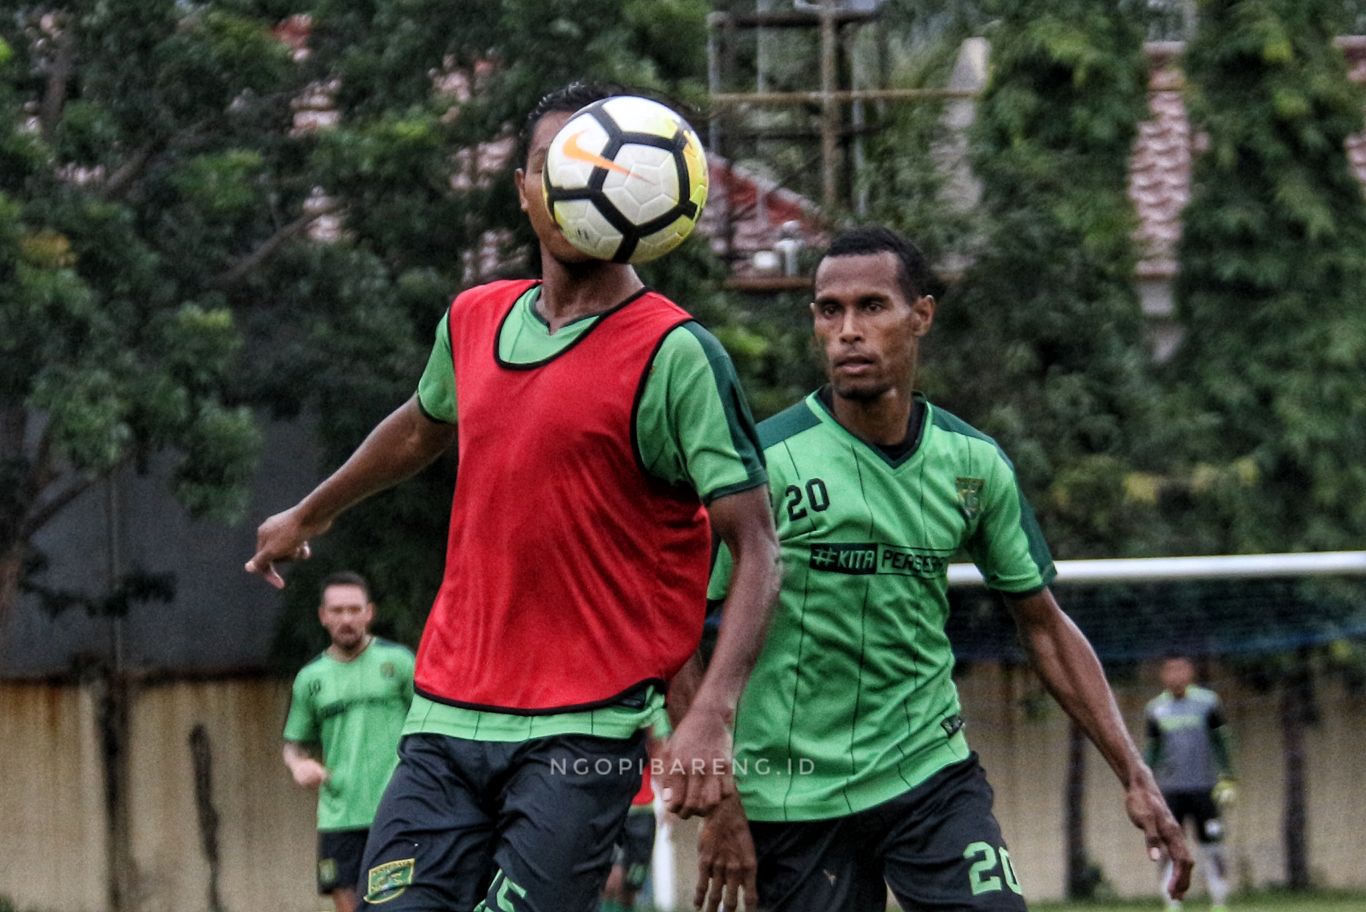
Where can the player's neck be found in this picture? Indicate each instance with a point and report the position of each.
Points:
(346, 655)
(882, 421)
(573, 290)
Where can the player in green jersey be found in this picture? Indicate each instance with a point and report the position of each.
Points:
(851, 759)
(350, 702)
(1190, 751)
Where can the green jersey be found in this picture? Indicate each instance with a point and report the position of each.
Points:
(355, 711)
(692, 428)
(852, 701)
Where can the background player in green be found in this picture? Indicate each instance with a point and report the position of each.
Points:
(1190, 751)
(851, 758)
(350, 702)
(472, 815)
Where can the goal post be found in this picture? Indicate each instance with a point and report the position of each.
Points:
(1176, 569)
(1133, 609)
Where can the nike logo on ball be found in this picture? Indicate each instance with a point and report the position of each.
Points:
(579, 153)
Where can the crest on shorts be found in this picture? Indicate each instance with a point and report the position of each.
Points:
(388, 881)
(969, 495)
(327, 871)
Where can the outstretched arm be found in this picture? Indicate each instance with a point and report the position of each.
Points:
(696, 760)
(400, 446)
(1070, 670)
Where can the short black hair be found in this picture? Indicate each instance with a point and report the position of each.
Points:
(566, 99)
(345, 578)
(913, 270)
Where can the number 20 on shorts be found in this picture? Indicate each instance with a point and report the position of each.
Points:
(982, 875)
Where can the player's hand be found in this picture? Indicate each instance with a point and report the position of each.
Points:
(697, 763)
(725, 860)
(309, 774)
(282, 537)
(1225, 792)
(1161, 832)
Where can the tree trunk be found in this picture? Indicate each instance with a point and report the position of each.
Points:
(1080, 878)
(11, 569)
(1297, 712)
(201, 756)
(112, 696)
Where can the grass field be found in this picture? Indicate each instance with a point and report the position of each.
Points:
(1257, 902)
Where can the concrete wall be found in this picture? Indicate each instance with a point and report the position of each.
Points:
(52, 831)
(54, 842)
(53, 835)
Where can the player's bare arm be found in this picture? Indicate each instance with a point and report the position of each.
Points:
(683, 687)
(1070, 670)
(400, 446)
(697, 758)
(307, 772)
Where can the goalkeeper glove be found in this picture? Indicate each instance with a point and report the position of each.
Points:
(1225, 791)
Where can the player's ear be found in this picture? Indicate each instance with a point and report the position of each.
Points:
(519, 179)
(922, 314)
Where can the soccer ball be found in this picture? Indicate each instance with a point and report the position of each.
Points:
(625, 179)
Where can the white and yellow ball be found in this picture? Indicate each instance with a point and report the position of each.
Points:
(625, 179)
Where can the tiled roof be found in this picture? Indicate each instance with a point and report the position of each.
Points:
(1160, 169)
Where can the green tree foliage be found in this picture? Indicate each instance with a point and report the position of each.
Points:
(917, 150)
(1041, 344)
(139, 151)
(1273, 265)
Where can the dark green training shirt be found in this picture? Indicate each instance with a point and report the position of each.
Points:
(852, 702)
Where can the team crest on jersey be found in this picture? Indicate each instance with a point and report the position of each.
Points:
(970, 495)
(387, 669)
(389, 880)
(314, 688)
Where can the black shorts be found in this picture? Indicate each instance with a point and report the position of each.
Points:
(937, 846)
(1197, 805)
(514, 827)
(635, 847)
(339, 856)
